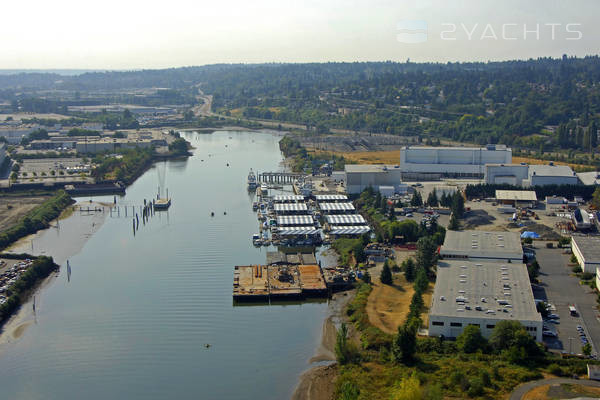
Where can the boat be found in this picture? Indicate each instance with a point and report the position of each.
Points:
(264, 189)
(251, 180)
(255, 206)
(256, 240)
(162, 204)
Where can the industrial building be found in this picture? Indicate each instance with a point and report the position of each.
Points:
(360, 177)
(482, 294)
(109, 145)
(517, 198)
(512, 174)
(587, 251)
(551, 174)
(530, 175)
(589, 178)
(481, 245)
(426, 163)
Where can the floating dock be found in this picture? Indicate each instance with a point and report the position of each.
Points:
(162, 204)
(278, 282)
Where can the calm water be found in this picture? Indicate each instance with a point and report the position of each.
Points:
(133, 321)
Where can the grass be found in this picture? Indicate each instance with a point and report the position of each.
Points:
(364, 157)
(532, 160)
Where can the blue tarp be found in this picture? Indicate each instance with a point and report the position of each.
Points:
(528, 234)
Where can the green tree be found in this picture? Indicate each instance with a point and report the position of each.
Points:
(432, 199)
(386, 274)
(359, 252)
(409, 269)
(542, 308)
(416, 200)
(188, 115)
(366, 277)
(453, 225)
(458, 204)
(404, 345)
(471, 340)
(586, 349)
(426, 253)
(596, 198)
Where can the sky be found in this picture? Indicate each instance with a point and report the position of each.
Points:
(134, 34)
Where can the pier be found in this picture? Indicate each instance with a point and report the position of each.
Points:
(279, 177)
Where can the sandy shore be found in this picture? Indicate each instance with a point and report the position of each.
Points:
(65, 237)
(318, 382)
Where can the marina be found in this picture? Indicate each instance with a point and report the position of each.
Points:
(142, 308)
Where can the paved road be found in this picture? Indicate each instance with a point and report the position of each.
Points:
(521, 390)
(561, 289)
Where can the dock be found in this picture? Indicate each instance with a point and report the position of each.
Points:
(278, 282)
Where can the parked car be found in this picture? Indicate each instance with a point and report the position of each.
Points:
(548, 334)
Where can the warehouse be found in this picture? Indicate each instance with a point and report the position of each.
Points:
(512, 174)
(481, 245)
(540, 175)
(360, 177)
(352, 219)
(587, 251)
(482, 294)
(336, 208)
(517, 198)
(425, 163)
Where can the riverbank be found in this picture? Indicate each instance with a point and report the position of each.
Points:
(65, 237)
(318, 382)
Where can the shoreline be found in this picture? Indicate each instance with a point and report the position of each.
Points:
(78, 229)
(318, 381)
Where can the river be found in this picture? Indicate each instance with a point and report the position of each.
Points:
(133, 320)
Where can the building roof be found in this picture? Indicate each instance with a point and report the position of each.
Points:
(295, 220)
(278, 257)
(490, 285)
(331, 197)
(345, 219)
(289, 197)
(349, 230)
(336, 206)
(358, 168)
(550, 170)
(482, 245)
(495, 147)
(297, 230)
(589, 248)
(290, 207)
(518, 195)
(589, 178)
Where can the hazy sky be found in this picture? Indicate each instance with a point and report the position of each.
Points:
(123, 34)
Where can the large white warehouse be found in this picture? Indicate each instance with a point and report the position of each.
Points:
(482, 294)
(530, 175)
(424, 163)
(360, 177)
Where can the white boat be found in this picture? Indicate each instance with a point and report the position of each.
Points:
(251, 180)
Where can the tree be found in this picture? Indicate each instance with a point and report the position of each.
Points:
(426, 253)
(359, 252)
(453, 224)
(404, 345)
(471, 340)
(421, 281)
(386, 274)
(188, 115)
(366, 277)
(542, 308)
(458, 204)
(409, 269)
(432, 199)
(416, 200)
(586, 349)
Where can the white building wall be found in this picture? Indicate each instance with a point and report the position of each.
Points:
(538, 180)
(450, 160)
(513, 174)
(585, 265)
(486, 326)
(356, 182)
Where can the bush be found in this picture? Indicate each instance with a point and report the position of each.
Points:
(475, 387)
(576, 269)
(586, 276)
(555, 369)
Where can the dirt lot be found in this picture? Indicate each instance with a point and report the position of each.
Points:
(563, 391)
(14, 208)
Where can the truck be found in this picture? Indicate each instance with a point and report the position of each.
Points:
(573, 310)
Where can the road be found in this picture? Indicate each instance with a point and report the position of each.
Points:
(521, 390)
(562, 289)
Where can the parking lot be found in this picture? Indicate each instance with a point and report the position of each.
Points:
(561, 289)
(48, 165)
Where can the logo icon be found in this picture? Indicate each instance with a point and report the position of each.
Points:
(411, 31)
